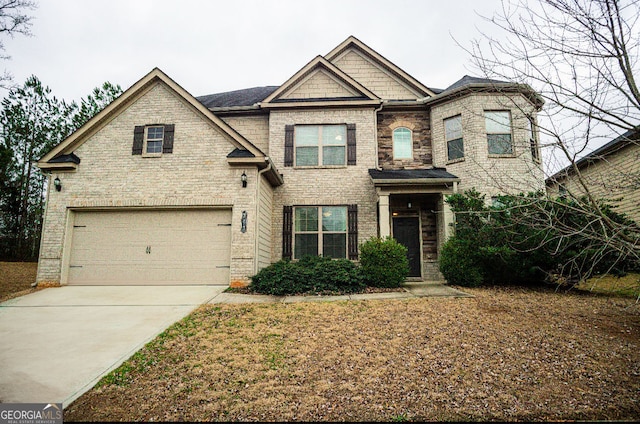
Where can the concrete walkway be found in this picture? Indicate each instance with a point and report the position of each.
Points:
(411, 290)
(56, 344)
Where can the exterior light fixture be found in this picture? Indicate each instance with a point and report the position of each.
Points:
(57, 184)
(243, 177)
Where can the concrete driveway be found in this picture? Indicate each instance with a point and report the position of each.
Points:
(56, 343)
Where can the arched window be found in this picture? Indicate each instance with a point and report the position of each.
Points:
(402, 143)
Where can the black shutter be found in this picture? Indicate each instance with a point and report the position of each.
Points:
(351, 144)
(138, 140)
(288, 145)
(167, 142)
(352, 239)
(287, 229)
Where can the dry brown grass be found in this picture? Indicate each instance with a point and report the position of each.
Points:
(507, 355)
(16, 279)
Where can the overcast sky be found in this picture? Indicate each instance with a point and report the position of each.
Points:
(215, 46)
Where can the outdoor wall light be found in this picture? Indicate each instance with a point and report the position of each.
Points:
(57, 184)
(243, 177)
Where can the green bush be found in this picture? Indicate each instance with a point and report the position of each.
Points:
(309, 275)
(458, 264)
(383, 262)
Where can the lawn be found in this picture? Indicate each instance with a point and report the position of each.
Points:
(509, 354)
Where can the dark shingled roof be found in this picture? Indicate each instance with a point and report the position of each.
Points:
(241, 153)
(410, 174)
(246, 97)
(66, 159)
(466, 80)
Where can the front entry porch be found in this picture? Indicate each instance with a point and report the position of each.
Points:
(411, 209)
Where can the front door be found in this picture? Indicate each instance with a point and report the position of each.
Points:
(406, 230)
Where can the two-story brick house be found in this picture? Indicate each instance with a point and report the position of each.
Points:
(165, 188)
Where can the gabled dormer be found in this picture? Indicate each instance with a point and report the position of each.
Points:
(375, 72)
(320, 84)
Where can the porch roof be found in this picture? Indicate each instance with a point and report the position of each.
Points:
(399, 177)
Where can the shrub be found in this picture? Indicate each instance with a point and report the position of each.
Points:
(458, 264)
(383, 262)
(311, 274)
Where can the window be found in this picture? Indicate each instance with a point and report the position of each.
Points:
(562, 191)
(532, 139)
(153, 140)
(402, 143)
(155, 136)
(498, 125)
(320, 144)
(453, 135)
(320, 231)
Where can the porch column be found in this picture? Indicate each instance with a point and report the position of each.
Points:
(383, 209)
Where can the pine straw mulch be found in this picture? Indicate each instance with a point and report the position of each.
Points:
(16, 279)
(509, 354)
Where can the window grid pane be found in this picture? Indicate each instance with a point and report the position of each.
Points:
(306, 219)
(334, 135)
(499, 144)
(334, 245)
(306, 244)
(333, 155)
(306, 156)
(154, 139)
(455, 149)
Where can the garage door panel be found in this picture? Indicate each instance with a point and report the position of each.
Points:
(151, 247)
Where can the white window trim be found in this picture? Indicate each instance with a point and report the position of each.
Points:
(319, 146)
(393, 142)
(146, 139)
(320, 232)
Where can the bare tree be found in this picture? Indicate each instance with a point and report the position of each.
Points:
(13, 20)
(582, 58)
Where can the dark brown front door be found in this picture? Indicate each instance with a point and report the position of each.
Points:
(407, 231)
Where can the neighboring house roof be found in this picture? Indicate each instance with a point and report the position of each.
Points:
(411, 176)
(246, 97)
(630, 137)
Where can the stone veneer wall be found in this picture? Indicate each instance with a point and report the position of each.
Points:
(420, 125)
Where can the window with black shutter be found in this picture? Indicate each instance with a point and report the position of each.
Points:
(153, 140)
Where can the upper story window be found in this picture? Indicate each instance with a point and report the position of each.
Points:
(533, 142)
(320, 231)
(154, 138)
(320, 145)
(498, 126)
(402, 143)
(453, 136)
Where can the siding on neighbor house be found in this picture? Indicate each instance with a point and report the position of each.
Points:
(490, 175)
(614, 177)
(196, 174)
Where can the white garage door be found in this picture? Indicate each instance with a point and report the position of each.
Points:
(151, 247)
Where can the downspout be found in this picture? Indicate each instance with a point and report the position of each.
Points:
(257, 218)
(375, 132)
